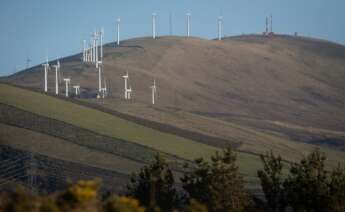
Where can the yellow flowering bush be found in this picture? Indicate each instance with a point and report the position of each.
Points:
(123, 204)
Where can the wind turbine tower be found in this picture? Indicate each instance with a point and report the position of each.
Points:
(96, 48)
(125, 77)
(46, 68)
(271, 25)
(67, 80)
(118, 21)
(101, 40)
(154, 89)
(89, 52)
(99, 75)
(129, 91)
(220, 27)
(91, 49)
(188, 23)
(77, 90)
(57, 69)
(154, 25)
(84, 50)
(266, 32)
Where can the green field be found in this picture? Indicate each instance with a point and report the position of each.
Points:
(251, 139)
(106, 124)
(63, 150)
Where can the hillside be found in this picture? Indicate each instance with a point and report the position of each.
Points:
(67, 131)
(255, 93)
(291, 80)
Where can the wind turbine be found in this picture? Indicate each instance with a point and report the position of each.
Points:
(96, 48)
(91, 48)
(266, 33)
(104, 83)
(118, 21)
(77, 89)
(57, 68)
(84, 50)
(46, 68)
(89, 52)
(67, 80)
(125, 77)
(188, 23)
(220, 27)
(129, 91)
(271, 25)
(99, 75)
(102, 37)
(154, 25)
(154, 89)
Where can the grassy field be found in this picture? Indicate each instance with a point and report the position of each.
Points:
(112, 126)
(63, 150)
(250, 139)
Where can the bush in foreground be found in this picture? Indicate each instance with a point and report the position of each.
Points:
(217, 183)
(309, 186)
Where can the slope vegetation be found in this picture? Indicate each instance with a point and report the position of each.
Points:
(114, 127)
(292, 80)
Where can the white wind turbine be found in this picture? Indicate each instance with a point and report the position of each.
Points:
(125, 77)
(188, 23)
(57, 69)
(99, 75)
(77, 90)
(220, 27)
(154, 90)
(118, 21)
(103, 92)
(46, 68)
(101, 40)
(84, 50)
(91, 49)
(154, 25)
(67, 80)
(96, 48)
(105, 84)
(129, 91)
(94, 37)
(89, 54)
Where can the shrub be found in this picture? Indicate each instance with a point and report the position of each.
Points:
(217, 183)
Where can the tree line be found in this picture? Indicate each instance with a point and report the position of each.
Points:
(213, 184)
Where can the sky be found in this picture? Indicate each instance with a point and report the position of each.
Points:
(33, 28)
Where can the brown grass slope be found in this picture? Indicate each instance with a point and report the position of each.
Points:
(285, 80)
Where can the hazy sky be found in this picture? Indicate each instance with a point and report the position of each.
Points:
(30, 28)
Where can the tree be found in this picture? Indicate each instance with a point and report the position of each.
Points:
(337, 189)
(307, 184)
(271, 179)
(154, 186)
(217, 183)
